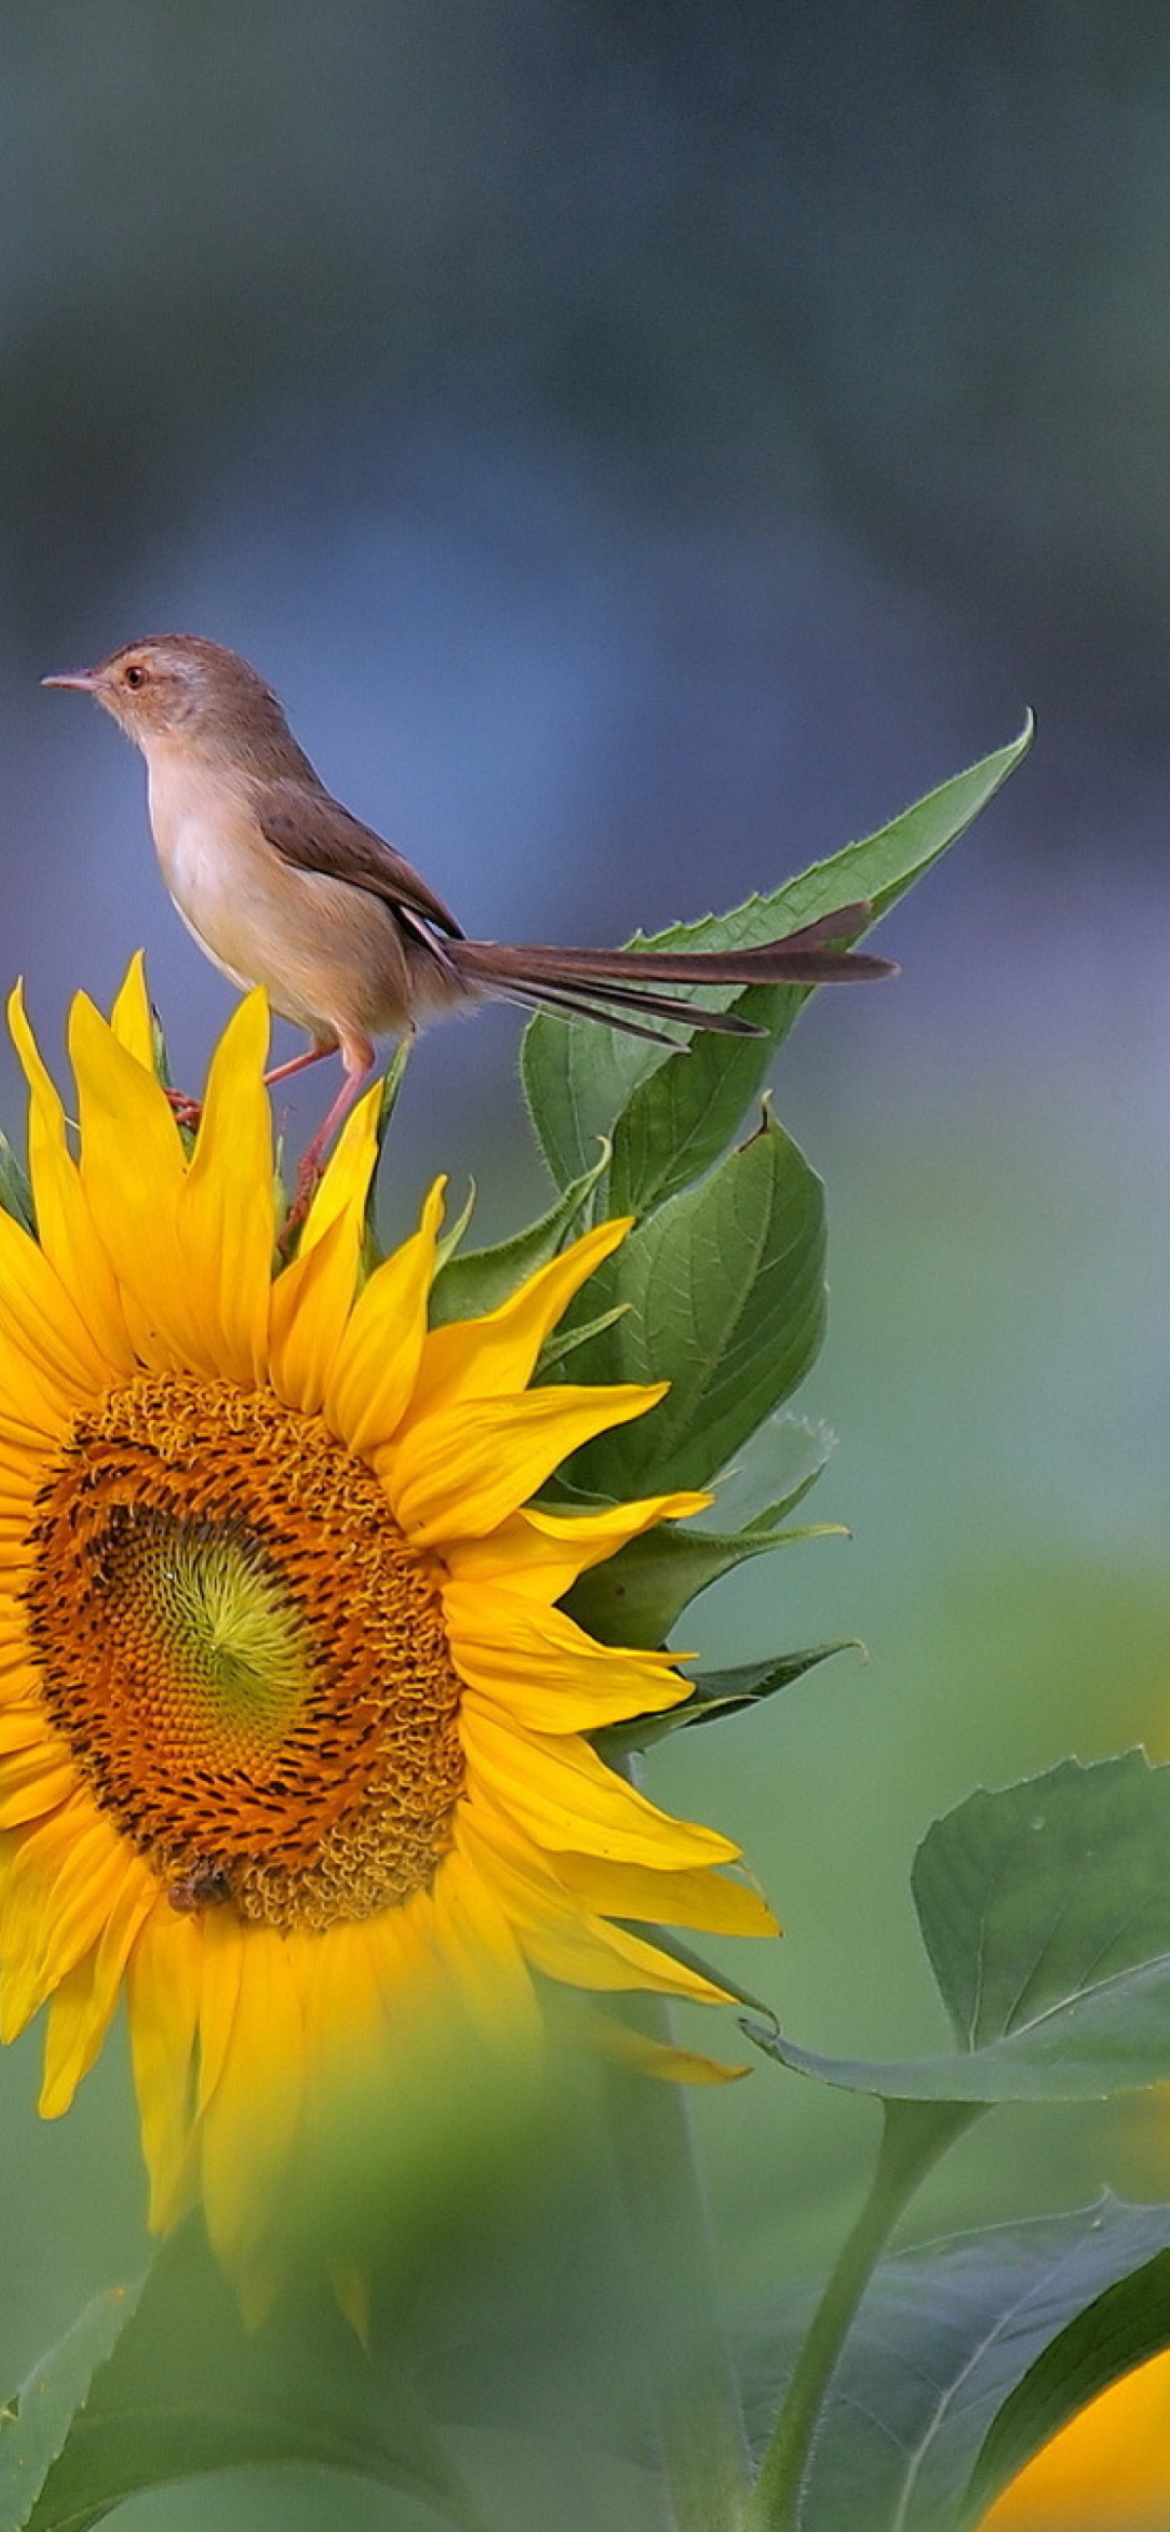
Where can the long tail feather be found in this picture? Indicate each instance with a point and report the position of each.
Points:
(547, 999)
(603, 984)
(612, 1004)
(658, 1006)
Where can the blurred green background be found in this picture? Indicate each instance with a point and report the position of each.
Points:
(646, 445)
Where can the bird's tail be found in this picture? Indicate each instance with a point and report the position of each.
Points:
(610, 985)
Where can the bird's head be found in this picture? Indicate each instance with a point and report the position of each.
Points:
(176, 685)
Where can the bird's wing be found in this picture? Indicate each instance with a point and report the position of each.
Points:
(311, 830)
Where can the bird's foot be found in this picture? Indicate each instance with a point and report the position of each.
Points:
(185, 1111)
(309, 1177)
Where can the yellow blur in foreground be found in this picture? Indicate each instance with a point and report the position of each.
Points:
(1107, 2472)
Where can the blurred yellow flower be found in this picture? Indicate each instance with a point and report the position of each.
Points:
(1109, 2470)
(291, 1726)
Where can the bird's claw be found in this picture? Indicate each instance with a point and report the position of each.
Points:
(309, 1177)
(185, 1111)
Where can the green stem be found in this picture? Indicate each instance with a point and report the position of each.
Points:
(701, 2430)
(700, 2421)
(914, 2135)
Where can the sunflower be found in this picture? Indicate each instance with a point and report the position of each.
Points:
(292, 1728)
(1109, 2467)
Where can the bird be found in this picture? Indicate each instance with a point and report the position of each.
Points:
(283, 887)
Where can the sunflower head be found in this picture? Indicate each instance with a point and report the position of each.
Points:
(294, 1732)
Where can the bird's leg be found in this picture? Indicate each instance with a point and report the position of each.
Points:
(313, 1054)
(360, 1062)
(188, 1111)
(184, 1110)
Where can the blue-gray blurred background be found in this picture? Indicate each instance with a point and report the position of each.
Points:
(646, 445)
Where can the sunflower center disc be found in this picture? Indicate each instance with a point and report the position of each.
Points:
(247, 1659)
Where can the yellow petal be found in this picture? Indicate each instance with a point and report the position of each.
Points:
(64, 1225)
(585, 1951)
(482, 1358)
(250, 2126)
(542, 1553)
(225, 1214)
(29, 1863)
(30, 1414)
(564, 1939)
(311, 1301)
(537, 1667)
(58, 1886)
(377, 1360)
(345, 2013)
(309, 1306)
(73, 2037)
(130, 1018)
(18, 1566)
(20, 1727)
(36, 1782)
(85, 1895)
(561, 1795)
(344, 1189)
(660, 2058)
(41, 1321)
(707, 1901)
(220, 1997)
(133, 1168)
(83, 2006)
(477, 1942)
(405, 1962)
(458, 1473)
(165, 1981)
(19, 1678)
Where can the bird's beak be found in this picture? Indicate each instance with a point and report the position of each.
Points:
(85, 679)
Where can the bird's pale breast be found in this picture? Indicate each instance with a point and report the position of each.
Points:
(327, 955)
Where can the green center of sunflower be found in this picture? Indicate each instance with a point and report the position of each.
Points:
(246, 1657)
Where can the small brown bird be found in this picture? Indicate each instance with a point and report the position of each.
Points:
(283, 888)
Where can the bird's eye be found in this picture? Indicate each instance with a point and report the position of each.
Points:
(134, 675)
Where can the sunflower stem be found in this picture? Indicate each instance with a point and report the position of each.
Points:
(699, 2419)
(914, 2135)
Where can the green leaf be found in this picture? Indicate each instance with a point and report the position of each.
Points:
(666, 1939)
(1045, 1910)
(454, 1233)
(189, 2390)
(639, 1594)
(581, 1079)
(883, 867)
(726, 1300)
(715, 1693)
(964, 2358)
(15, 1191)
(1043, 1893)
(160, 1051)
(777, 1467)
(469, 1285)
(567, 1339)
(679, 1119)
(35, 2422)
(372, 1250)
